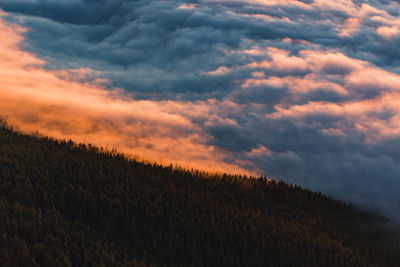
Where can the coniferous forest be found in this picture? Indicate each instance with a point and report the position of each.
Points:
(67, 204)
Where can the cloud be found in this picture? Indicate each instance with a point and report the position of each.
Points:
(304, 91)
(57, 103)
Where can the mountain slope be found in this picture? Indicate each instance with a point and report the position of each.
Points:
(63, 204)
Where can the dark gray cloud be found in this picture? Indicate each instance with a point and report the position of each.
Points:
(166, 46)
(304, 91)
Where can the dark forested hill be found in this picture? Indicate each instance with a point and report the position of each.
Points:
(63, 204)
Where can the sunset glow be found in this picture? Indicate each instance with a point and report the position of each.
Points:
(303, 91)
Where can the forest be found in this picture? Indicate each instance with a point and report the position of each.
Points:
(69, 204)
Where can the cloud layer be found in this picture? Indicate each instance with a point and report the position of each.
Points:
(304, 91)
(56, 104)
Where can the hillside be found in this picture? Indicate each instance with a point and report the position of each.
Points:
(63, 204)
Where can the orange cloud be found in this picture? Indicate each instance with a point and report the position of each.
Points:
(320, 66)
(187, 6)
(388, 32)
(222, 70)
(332, 71)
(280, 61)
(349, 27)
(268, 2)
(362, 116)
(57, 104)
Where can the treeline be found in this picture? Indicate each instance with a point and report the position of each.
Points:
(64, 204)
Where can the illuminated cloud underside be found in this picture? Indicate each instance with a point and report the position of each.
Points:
(34, 99)
(304, 91)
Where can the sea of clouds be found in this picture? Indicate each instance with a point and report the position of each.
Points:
(303, 91)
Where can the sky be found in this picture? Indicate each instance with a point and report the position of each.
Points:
(307, 92)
